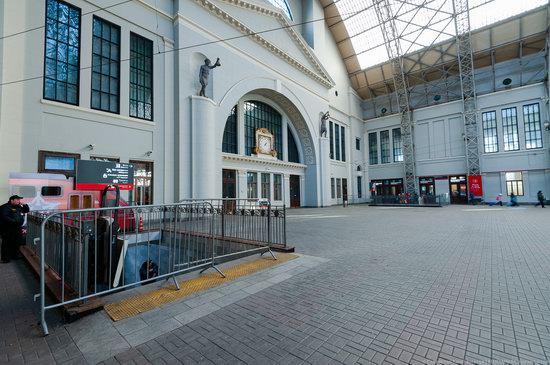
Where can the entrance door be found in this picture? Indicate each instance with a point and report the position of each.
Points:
(345, 190)
(294, 191)
(458, 189)
(143, 182)
(229, 188)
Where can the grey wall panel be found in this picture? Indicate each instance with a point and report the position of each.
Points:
(422, 141)
(456, 136)
(438, 140)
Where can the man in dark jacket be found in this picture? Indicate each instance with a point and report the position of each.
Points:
(12, 217)
(540, 198)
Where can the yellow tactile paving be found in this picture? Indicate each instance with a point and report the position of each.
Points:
(154, 299)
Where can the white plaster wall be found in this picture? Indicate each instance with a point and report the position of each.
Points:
(28, 124)
(183, 33)
(439, 144)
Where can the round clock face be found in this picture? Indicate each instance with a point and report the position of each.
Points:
(264, 144)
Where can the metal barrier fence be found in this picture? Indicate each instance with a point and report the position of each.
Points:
(249, 220)
(93, 252)
(412, 200)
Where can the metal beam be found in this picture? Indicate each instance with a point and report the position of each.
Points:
(391, 39)
(469, 98)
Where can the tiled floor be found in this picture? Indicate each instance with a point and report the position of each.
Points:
(376, 285)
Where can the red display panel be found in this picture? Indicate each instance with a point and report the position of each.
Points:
(475, 185)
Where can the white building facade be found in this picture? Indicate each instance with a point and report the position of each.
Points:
(119, 81)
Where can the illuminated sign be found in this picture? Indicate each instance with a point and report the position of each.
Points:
(96, 175)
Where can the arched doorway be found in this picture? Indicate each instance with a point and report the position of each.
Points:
(285, 173)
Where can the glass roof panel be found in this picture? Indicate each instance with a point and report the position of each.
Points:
(419, 23)
(283, 5)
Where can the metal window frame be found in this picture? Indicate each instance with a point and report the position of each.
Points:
(337, 141)
(230, 141)
(111, 25)
(490, 147)
(42, 155)
(253, 120)
(373, 148)
(343, 143)
(385, 153)
(77, 102)
(250, 183)
(510, 127)
(535, 124)
(144, 40)
(397, 145)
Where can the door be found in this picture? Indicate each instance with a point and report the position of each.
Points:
(458, 189)
(229, 188)
(143, 183)
(294, 191)
(345, 190)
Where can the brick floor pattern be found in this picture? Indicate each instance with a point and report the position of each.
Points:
(403, 286)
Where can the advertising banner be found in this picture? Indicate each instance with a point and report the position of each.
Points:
(96, 175)
(475, 185)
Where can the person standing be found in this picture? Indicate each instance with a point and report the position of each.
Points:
(12, 217)
(540, 198)
(499, 199)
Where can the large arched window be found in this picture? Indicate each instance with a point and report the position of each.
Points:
(283, 5)
(230, 133)
(293, 155)
(260, 115)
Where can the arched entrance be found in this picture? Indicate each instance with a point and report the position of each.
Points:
(286, 176)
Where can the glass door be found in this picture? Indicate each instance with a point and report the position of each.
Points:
(229, 188)
(143, 183)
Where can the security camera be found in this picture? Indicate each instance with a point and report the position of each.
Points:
(148, 153)
(547, 125)
(91, 146)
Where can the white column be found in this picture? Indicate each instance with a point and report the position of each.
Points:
(169, 130)
(324, 156)
(285, 140)
(302, 190)
(86, 64)
(241, 184)
(240, 128)
(286, 189)
(204, 153)
(271, 188)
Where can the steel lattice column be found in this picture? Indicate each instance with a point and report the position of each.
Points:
(469, 100)
(393, 47)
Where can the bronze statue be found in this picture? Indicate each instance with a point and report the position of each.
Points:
(204, 74)
(324, 119)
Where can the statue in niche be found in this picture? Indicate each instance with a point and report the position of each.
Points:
(324, 119)
(204, 74)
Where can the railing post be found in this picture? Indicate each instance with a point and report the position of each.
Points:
(284, 225)
(269, 224)
(43, 281)
(223, 217)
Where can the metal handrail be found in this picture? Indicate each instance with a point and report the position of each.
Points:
(187, 230)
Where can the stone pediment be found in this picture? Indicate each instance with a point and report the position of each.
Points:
(266, 25)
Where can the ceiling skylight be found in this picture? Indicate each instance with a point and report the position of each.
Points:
(419, 23)
(283, 5)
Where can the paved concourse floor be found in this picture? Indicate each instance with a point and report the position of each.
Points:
(374, 285)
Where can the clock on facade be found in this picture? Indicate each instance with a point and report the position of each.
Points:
(265, 142)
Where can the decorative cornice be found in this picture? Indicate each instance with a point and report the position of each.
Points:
(241, 158)
(321, 76)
